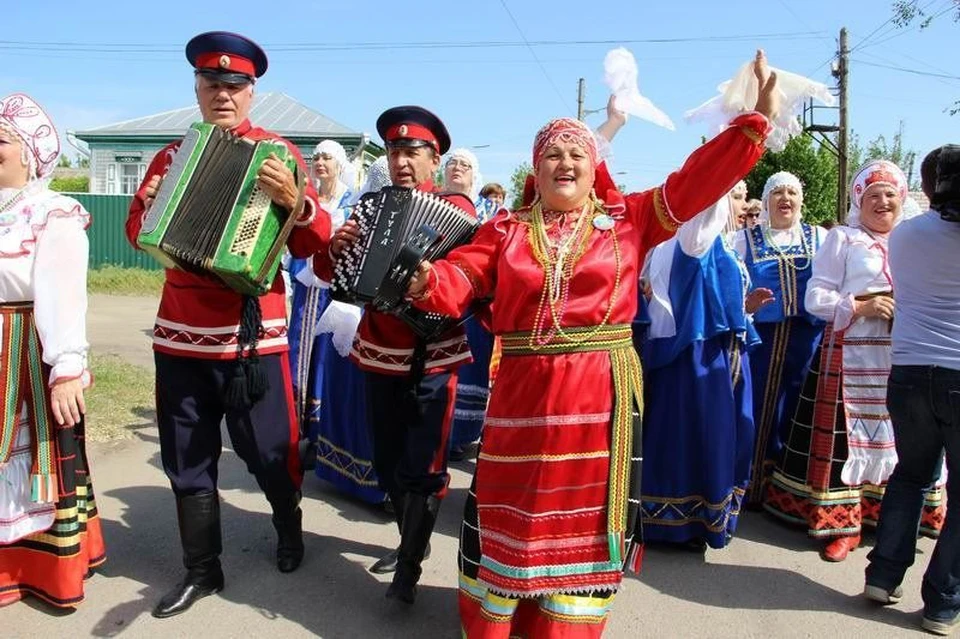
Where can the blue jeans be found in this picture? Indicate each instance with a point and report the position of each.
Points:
(924, 404)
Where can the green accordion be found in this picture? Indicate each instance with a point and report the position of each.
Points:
(210, 215)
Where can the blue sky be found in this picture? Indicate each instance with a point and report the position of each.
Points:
(343, 60)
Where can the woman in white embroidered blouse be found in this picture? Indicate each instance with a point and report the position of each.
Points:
(44, 476)
(850, 289)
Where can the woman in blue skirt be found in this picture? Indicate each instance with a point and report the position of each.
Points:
(330, 388)
(779, 256)
(698, 422)
(309, 297)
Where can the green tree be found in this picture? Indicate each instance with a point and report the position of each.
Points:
(63, 162)
(517, 180)
(71, 184)
(906, 12)
(815, 165)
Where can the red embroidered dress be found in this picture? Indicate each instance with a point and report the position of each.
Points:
(543, 479)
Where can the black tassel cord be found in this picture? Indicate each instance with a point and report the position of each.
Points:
(249, 382)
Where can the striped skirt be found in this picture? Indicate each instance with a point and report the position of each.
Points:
(40, 557)
(831, 477)
(777, 369)
(549, 522)
(698, 443)
(53, 564)
(485, 614)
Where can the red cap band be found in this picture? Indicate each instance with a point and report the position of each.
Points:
(226, 62)
(412, 132)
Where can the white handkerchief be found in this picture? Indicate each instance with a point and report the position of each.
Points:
(739, 95)
(620, 76)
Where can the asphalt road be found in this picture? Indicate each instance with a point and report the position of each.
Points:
(769, 582)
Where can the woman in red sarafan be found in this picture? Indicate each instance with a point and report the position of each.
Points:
(550, 516)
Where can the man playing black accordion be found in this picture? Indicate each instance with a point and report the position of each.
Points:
(410, 381)
(222, 354)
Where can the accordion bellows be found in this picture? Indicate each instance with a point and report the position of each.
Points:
(399, 228)
(211, 215)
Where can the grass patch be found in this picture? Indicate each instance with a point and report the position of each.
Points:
(116, 280)
(121, 400)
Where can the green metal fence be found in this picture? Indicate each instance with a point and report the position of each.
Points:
(108, 239)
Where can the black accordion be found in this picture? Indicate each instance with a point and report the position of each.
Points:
(399, 228)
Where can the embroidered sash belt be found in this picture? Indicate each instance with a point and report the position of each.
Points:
(22, 380)
(617, 340)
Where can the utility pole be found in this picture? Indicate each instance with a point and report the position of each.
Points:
(581, 88)
(842, 137)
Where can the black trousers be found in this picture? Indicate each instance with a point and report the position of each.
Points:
(411, 427)
(190, 408)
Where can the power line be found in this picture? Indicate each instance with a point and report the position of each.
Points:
(386, 61)
(887, 98)
(892, 26)
(874, 56)
(832, 57)
(950, 7)
(882, 25)
(115, 47)
(534, 54)
(800, 19)
(905, 70)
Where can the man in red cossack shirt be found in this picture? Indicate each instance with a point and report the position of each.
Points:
(213, 354)
(410, 383)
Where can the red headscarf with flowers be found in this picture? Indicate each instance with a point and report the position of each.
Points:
(564, 130)
(871, 173)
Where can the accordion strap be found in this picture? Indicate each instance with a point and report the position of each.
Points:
(418, 365)
(285, 230)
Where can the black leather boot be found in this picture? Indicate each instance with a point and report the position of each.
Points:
(388, 563)
(288, 520)
(419, 517)
(199, 519)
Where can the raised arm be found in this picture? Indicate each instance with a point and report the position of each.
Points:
(713, 169)
(708, 174)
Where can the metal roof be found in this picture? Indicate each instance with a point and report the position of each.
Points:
(276, 112)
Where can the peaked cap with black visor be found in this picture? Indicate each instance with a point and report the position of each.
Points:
(226, 57)
(413, 126)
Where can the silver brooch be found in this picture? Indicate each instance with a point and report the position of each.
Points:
(603, 222)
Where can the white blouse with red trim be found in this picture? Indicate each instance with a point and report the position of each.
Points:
(43, 259)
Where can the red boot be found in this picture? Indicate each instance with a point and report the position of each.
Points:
(838, 548)
(9, 598)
